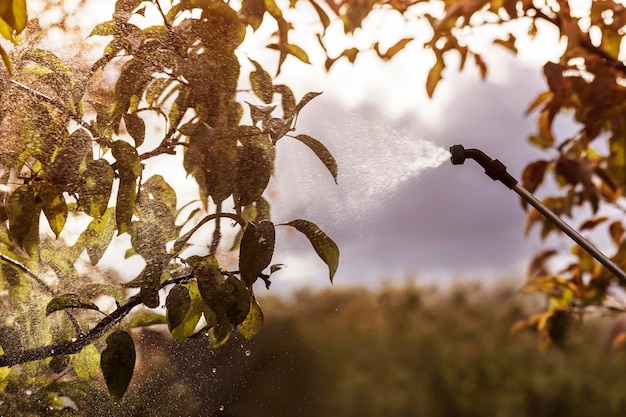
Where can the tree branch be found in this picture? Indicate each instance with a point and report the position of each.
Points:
(76, 345)
(42, 284)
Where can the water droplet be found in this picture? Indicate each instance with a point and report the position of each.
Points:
(28, 393)
(248, 353)
(214, 370)
(73, 339)
(52, 351)
(222, 407)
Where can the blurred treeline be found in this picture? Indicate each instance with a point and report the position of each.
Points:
(392, 352)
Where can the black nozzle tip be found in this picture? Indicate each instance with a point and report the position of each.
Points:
(458, 154)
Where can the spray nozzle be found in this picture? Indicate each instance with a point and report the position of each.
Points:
(495, 169)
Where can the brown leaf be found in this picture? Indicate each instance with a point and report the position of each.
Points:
(590, 224)
(616, 230)
(533, 174)
(434, 76)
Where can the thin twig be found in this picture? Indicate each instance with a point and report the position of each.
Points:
(42, 284)
(217, 234)
(40, 96)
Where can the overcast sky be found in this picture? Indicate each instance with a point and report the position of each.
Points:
(449, 224)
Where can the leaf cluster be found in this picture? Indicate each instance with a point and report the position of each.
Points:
(80, 153)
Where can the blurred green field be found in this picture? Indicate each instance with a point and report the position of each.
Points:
(394, 352)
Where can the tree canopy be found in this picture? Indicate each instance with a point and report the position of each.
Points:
(74, 152)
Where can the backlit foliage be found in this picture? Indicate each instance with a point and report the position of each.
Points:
(75, 152)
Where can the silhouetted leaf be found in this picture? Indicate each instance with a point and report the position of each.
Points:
(22, 212)
(256, 161)
(305, 100)
(210, 283)
(177, 304)
(616, 230)
(256, 250)
(118, 363)
(161, 191)
(69, 301)
(136, 128)
(287, 99)
(533, 175)
(324, 246)
(261, 83)
(322, 153)
(592, 223)
(96, 189)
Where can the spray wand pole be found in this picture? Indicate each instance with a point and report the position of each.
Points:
(497, 171)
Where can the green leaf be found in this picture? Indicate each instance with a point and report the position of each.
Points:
(65, 301)
(210, 283)
(96, 189)
(261, 83)
(220, 333)
(256, 251)
(225, 296)
(47, 59)
(53, 204)
(324, 246)
(303, 102)
(157, 212)
(97, 236)
(107, 28)
(256, 161)
(128, 162)
(125, 204)
(22, 211)
(136, 128)
(145, 319)
(253, 323)
(191, 317)
(118, 363)
(87, 362)
(322, 153)
(161, 191)
(147, 240)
